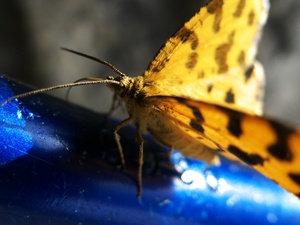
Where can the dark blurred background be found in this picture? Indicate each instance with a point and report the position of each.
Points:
(128, 34)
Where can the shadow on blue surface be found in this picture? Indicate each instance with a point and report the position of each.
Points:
(60, 165)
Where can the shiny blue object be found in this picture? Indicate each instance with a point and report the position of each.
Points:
(60, 165)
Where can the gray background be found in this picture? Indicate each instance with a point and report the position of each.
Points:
(128, 34)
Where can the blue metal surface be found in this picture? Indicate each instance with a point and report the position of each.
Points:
(60, 165)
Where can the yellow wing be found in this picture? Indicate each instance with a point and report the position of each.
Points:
(268, 146)
(211, 57)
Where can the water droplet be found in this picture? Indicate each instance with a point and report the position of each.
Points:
(194, 178)
(179, 162)
(211, 180)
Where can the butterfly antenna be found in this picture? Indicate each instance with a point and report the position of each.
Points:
(79, 80)
(43, 90)
(95, 59)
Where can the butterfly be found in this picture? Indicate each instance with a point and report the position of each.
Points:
(202, 94)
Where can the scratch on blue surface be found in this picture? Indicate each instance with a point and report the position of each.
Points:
(14, 140)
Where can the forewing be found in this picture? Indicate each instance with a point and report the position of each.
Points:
(212, 57)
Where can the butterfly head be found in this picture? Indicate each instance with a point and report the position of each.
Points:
(124, 86)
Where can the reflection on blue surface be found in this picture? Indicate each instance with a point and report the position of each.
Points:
(15, 140)
(215, 194)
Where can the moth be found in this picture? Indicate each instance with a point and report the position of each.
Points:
(203, 93)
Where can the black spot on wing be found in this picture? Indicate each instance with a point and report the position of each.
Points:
(251, 159)
(196, 112)
(209, 88)
(194, 123)
(201, 75)
(248, 73)
(194, 44)
(295, 177)
(240, 8)
(192, 60)
(215, 7)
(234, 125)
(221, 53)
(186, 34)
(197, 126)
(229, 98)
(251, 17)
(182, 100)
(242, 57)
(280, 149)
(183, 33)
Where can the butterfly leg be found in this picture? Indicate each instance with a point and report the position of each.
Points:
(118, 138)
(115, 104)
(141, 160)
